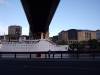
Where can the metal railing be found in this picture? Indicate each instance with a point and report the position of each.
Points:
(49, 54)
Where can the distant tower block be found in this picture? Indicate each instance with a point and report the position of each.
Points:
(39, 14)
(14, 32)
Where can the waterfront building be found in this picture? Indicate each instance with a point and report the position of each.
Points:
(98, 35)
(63, 36)
(75, 36)
(85, 35)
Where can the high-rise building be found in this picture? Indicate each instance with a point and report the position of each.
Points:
(14, 31)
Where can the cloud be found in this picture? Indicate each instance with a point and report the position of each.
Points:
(3, 29)
(3, 2)
(25, 30)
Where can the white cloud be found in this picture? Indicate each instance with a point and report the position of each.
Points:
(3, 1)
(3, 29)
(25, 30)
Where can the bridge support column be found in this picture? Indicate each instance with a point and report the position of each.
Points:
(41, 35)
(47, 35)
(44, 35)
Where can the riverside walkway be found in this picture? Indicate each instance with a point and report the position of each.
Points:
(45, 66)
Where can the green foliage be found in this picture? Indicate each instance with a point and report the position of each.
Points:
(93, 44)
(55, 39)
(62, 42)
(80, 46)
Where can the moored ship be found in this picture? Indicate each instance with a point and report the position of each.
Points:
(40, 45)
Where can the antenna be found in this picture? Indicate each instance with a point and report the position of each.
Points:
(4, 36)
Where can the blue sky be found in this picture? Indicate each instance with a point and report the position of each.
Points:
(70, 14)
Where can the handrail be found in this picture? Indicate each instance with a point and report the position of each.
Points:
(77, 53)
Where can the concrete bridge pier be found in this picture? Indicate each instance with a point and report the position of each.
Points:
(40, 35)
(44, 35)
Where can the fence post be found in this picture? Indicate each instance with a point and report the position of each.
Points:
(61, 55)
(53, 55)
(93, 54)
(77, 54)
(15, 55)
(30, 55)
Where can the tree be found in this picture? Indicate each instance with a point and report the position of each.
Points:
(62, 42)
(80, 46)
(93, 43)
(55, 39)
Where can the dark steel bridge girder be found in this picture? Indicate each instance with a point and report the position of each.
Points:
(39, 13)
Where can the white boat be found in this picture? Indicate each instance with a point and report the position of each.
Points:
(42, 45)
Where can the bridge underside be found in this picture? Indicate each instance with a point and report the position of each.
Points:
(39, 14)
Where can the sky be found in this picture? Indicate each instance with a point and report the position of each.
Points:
(70, 14)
